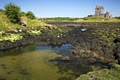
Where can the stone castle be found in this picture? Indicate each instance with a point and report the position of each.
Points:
(99, 12)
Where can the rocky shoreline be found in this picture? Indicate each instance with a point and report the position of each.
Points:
(87, 44)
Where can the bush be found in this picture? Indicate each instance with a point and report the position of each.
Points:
(22, 14)
(12, 12)
(30, 15)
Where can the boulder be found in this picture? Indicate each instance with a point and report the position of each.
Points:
(23, 23)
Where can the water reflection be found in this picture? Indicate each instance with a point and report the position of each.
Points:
(42, 63)
(59, 48)
(26, 49)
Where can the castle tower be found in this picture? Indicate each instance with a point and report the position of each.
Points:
(99, 11)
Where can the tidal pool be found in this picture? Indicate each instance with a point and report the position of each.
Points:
(41, 63)
(31, 63)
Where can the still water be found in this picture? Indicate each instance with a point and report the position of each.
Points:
(32, 63)
(42, 63)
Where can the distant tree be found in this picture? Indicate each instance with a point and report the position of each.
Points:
(117, 17)
(30, 15)
(12, 12)
(1, 10)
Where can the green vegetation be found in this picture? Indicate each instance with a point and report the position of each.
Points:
(11, 31)
(34, 32)
(22, 14)
(105, 41)
(9, 37)
(30, 15)
(83, 77)
(108, 35)
(5, 23)
(103, 74)
(58, 19)
(117, 17)
(12, 12)
(94, 18)
(100, 19)
(36, 23)
(116, 66)
(8, 23)
(86, 19)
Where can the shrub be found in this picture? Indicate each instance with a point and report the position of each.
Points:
(30, 15)
(22, 14)
(12, 12)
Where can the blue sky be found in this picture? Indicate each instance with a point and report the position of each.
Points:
(64, 8)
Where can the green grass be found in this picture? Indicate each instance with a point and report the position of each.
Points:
(93, 18)
(85, 19)
(63, 19)
(6, 25)
(36, 23)
(100, 19)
